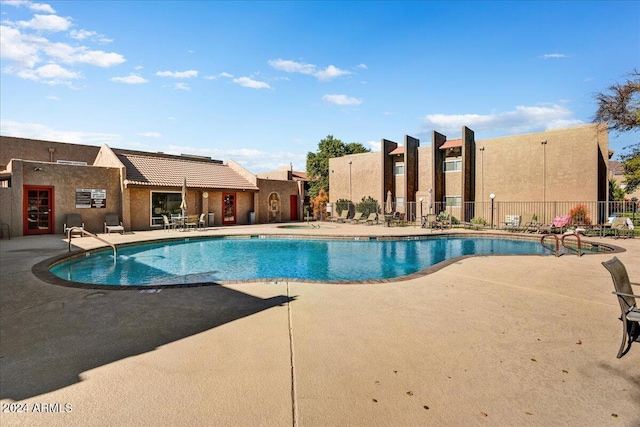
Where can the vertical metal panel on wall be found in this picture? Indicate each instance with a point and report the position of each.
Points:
(468, 169)
(411, 145)
(437, 140)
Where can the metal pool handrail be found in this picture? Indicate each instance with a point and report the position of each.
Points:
(83, 231)
(577, 236)
(557, 248)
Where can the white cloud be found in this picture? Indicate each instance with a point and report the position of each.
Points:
(553, 55)
(83, 55)
(150, 134)
(91, 35)
(132, 79)
(331, 72)
(52, 23)
(375, 146)
(19, 48)
(214, 77)
(138, 67)
(171, 118)
(250, 83)
(253, 160)
(53, 98)
(292, 66)
(41, 7)
(181, 86)
(43, 132)
(522, 119)
(363, 66)
(341, 100)
(178, 74)
(51, 74)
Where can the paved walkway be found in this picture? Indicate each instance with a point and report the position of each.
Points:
(500, 341)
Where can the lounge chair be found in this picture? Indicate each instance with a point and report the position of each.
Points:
(621, 226)
(373, 217)
(558, 225)
(356, 218)
(630, 312)
(511, 222)
(112, 223)
(527, 223)
(74, 221)
(342, 217)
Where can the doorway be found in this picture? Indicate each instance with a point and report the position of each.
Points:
(293, 203)
(38, 210)
(228, 208)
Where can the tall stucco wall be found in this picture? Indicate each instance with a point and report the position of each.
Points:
(284, 189)
(38, 150)
(522, 168)
(366, 177)
(65, 179)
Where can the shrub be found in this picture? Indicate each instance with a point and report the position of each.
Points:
(367, 206)
(344, 204)
(479, 221)
(580, 214)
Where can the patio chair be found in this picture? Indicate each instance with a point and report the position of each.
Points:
(356, 218)
(201, 221)
(112, 223)
(630, 312)
(431, 221)
(192, 221)
(74, 221)
(621, 226)
(168, 224)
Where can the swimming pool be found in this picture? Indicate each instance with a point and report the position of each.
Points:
(262, 258)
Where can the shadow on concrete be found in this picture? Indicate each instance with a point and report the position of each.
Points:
(47, 348)
(633, 381)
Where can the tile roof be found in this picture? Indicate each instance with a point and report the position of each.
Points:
(398, 150)
(170, 171)
(452, 143)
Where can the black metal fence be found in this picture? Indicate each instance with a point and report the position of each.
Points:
(499, 213)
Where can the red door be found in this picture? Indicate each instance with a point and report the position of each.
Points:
(228, 208)
(293, 202)
(38, 210)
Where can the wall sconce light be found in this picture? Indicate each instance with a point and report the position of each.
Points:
(37, 169)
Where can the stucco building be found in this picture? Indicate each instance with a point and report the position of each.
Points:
(43, 181)
(459, 175)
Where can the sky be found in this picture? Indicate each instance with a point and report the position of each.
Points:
(262, 83)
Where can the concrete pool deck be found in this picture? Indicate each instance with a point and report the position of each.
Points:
(500, 341)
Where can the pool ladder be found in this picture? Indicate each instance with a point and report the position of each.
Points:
(558, 242)
(85, 232)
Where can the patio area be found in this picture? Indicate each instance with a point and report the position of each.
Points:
(491, 340)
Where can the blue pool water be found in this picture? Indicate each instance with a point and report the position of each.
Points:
(211, 260)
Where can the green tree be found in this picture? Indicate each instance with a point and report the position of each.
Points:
(616, 193)
(318, 162)
(631, 163)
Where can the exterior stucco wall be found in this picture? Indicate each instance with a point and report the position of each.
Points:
(522, 168)
(65, 179)
(284, 189)
(366, 177)
(37, 150)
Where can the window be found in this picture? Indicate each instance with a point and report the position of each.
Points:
(399, 202)
(453, 201)
(398, 169)
(453, 165)
(164, 204)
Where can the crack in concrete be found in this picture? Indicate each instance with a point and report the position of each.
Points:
(294, 409)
